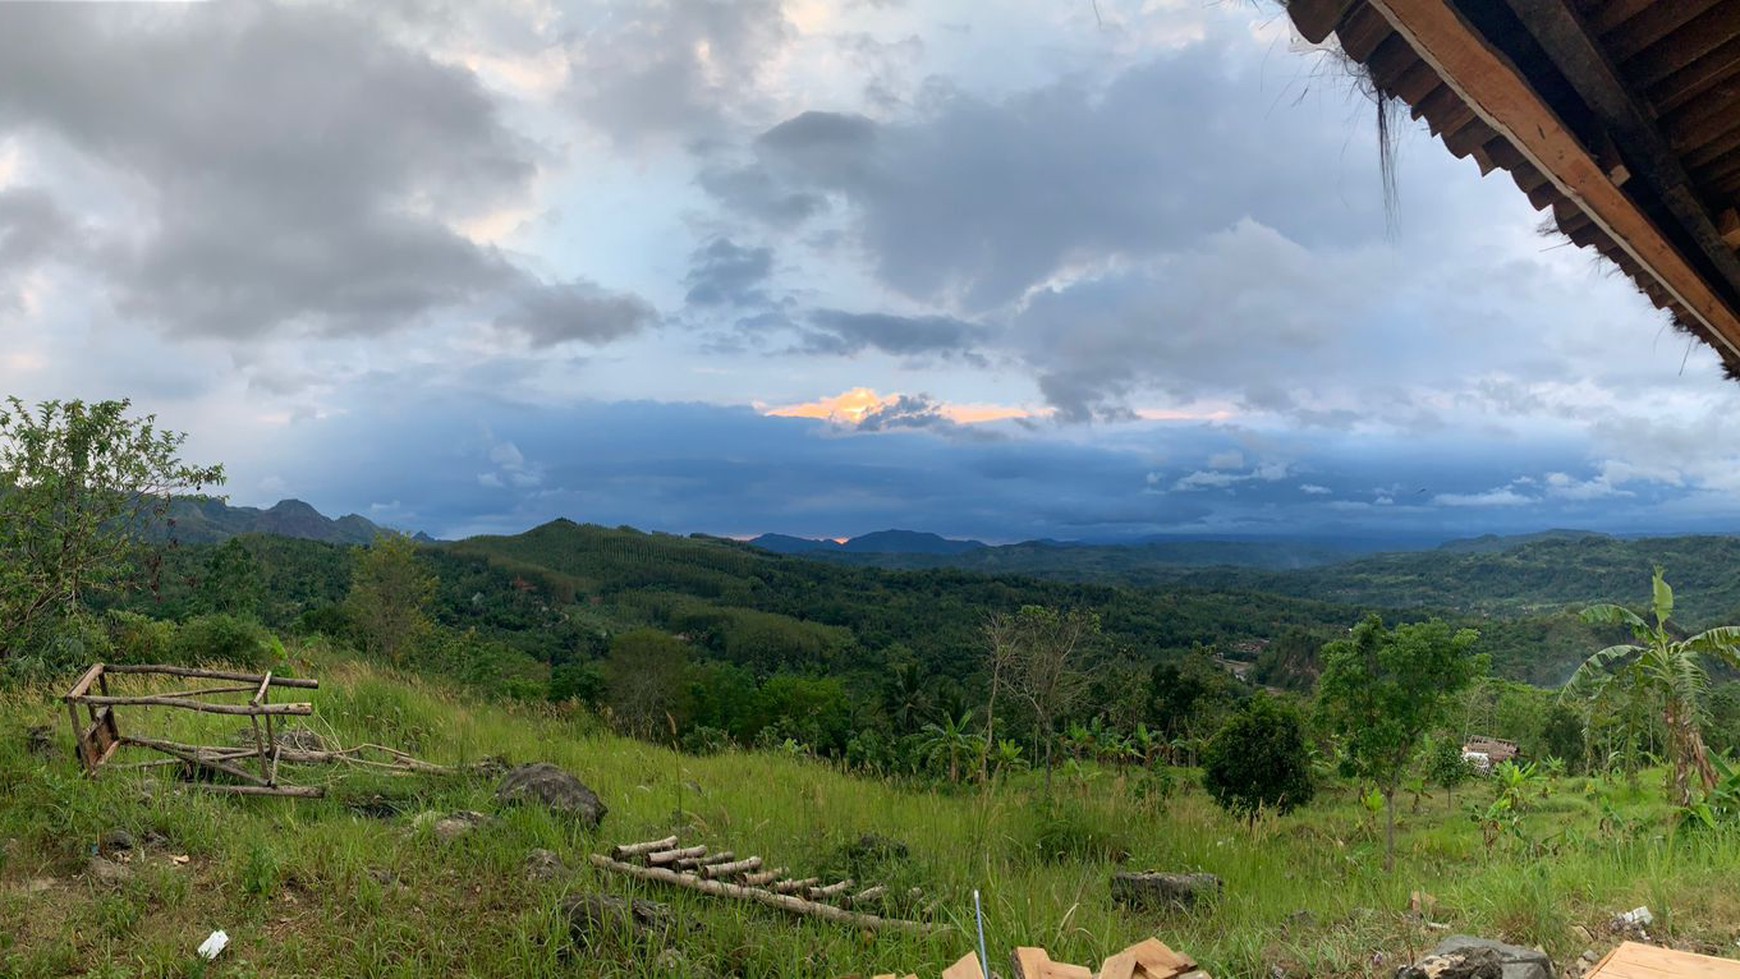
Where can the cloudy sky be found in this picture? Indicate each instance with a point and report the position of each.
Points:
(1039, 268)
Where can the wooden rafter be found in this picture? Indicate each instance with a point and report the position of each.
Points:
(1492, 86)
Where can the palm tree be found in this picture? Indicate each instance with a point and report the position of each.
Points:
(950, 741)
(1668, 671)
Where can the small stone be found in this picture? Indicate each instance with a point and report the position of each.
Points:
(1158, 890)
(385, 878)
(1515, 961)
(1301, 918)
(108, 871)
(1583, 934)
(544, 865)
(116, 839)
(1589, 956)
(40, 741)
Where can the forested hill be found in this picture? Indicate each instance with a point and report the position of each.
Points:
(197, 520)
(1553, 572)
(1536, 573)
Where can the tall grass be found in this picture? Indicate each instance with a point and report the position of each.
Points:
(357, 884)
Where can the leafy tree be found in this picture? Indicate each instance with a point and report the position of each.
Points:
(1562, 736)
(389, 597)
(1445, 766)
(646, 675)
(1259, 760)
(231, 585)
(1662, 669)
(82, 487)
(1383, 690)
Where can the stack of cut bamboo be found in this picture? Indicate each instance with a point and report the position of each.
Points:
(1149, 959)
(723, 875)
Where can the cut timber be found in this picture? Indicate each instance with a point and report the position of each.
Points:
(1158, 960)
(965, 967)
(866, 895)
(838, 887)
(244, 710)
(1493, 87)
(794, 886)
(1120, 966)
(1632, 960)
(293, 791)
(637, 849)
(1063, 970)
(784, 902)
(1030, 962)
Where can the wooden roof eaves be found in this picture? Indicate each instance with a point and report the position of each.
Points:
(1465, 130)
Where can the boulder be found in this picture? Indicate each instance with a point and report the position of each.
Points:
(1151, 889)
(555, 789)
(606, 919)
(115, 840)
(1467, 957)
(457, 824)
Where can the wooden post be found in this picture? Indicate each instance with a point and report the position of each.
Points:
(641, 849)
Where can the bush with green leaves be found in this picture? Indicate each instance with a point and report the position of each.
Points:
(222, 638)
(1259, 760)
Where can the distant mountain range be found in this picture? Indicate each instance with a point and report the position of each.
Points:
(914, 549)
(209, 521)
(880, 542)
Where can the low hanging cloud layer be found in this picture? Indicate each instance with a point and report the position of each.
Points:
(823, 269)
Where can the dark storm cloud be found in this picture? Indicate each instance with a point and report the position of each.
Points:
(840, 333)
(723, 272)
(974, 201)
(678, 69)
(33, 229)
(480, 464)
(547, 315)
(299, 169)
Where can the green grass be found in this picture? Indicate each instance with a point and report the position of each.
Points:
(324, 888)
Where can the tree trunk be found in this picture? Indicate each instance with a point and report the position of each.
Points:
(1390, 833)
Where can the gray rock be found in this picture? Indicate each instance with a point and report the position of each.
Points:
(1514, 961)
(607, 919)
(544, 865)
(1150, 889)
(1472, 963)
(555, 789)
(116, 839)
(459, 823)
(40, 741)
(106, 871)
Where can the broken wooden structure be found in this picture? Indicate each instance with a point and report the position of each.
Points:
(1148, 959)
(1619, 117)
(1634, 960)
(1497, 750)
(724, 875)
(97, 741)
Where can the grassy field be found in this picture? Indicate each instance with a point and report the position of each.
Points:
(357, 885)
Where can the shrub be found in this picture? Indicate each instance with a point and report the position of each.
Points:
(136, 638)
(704, 740)
(1065, 832)
(1259, 760)
(226, 639)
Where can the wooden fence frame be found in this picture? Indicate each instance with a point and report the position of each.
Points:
(97, 741)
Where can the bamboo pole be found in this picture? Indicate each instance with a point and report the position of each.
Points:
(781, 901)
(693, 863)
(622, 850)
(764, 877)
(732, 868)
(239, 710)
(196, 757)
(866, 895)
(277, 681)
(794, 886)
(294, 791)
(838, 887)
(672, 856)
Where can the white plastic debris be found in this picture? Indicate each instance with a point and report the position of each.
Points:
(1638, 916)
(210, 948)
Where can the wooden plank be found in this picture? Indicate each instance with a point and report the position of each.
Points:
(1691, 44)
(1491, 85)
(1652, 24)
(1728, 226)
(1030, 962)
(1632, 960)
(1697, 77)
(1120, 966)
(240, 710)
(1158, 960)
(965, 967)
(1064, 970)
